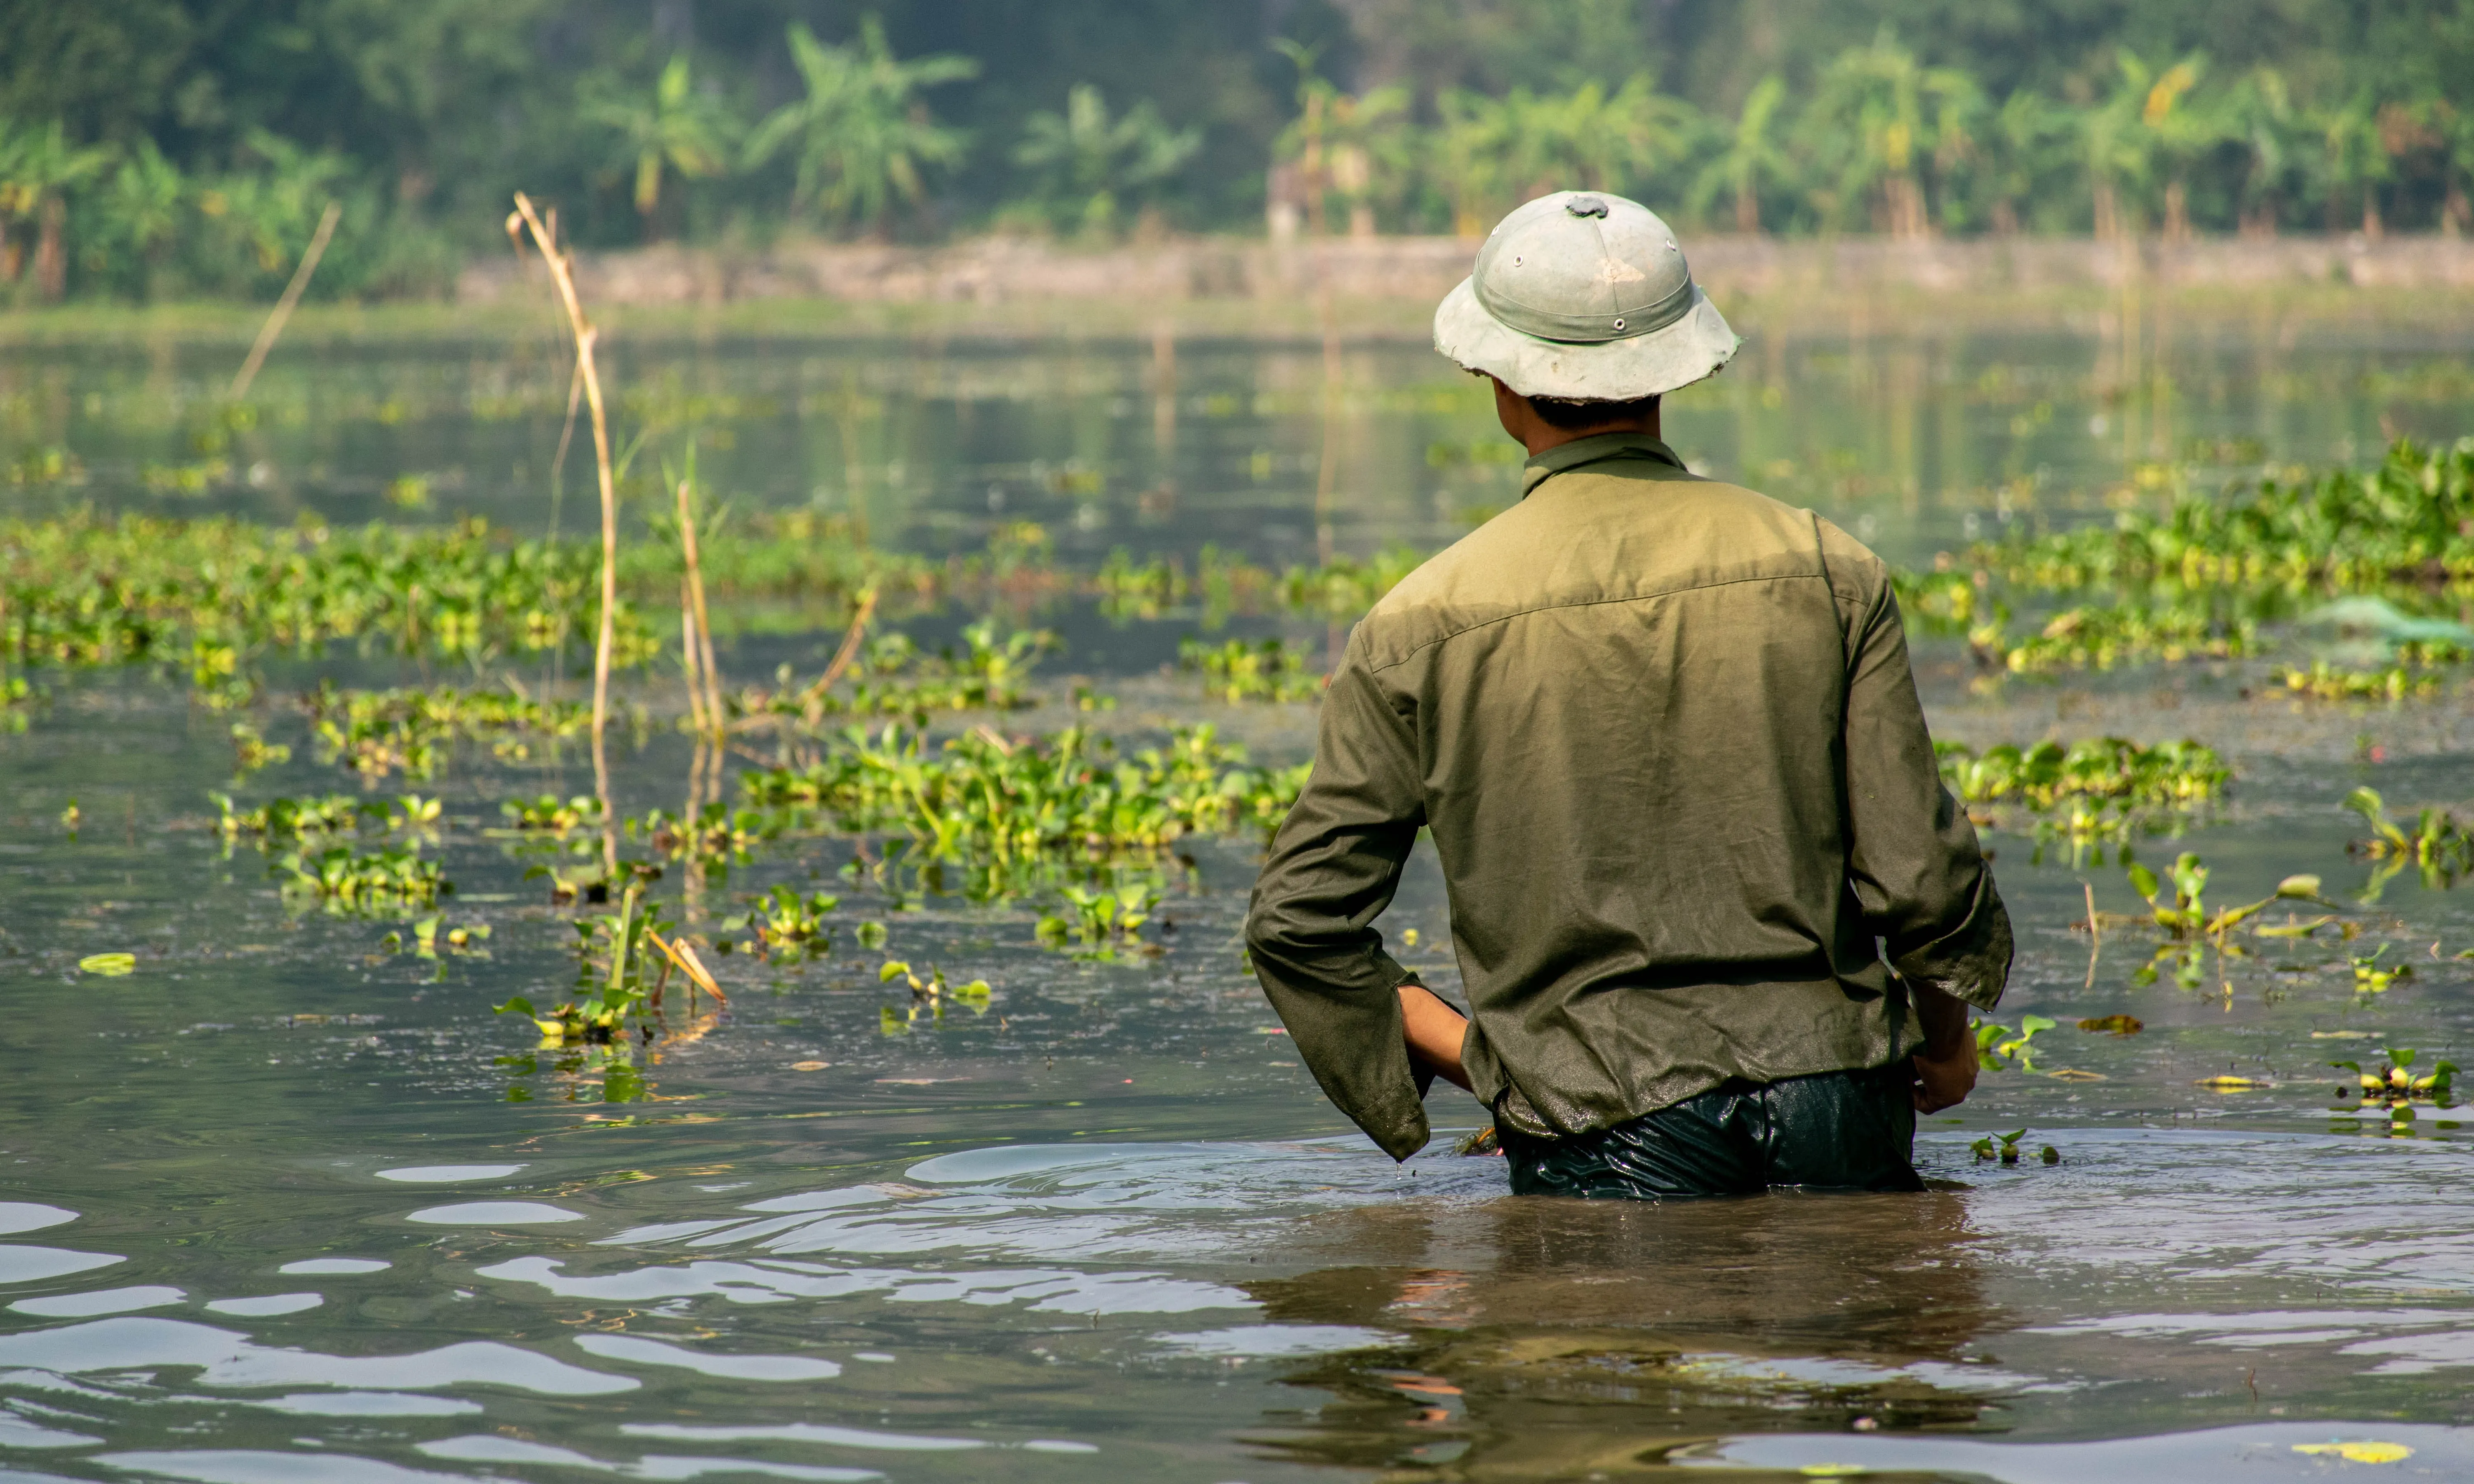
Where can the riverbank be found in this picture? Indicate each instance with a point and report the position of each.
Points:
(1377, 290)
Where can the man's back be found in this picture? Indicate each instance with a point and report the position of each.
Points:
(1663, 733)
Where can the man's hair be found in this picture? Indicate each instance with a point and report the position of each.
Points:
(1568, 415)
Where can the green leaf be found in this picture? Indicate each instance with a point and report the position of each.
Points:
(2306, 887)
(894, 969)
(2143, 882)
(516, 1004)
(2030, 1025)
(109, 966)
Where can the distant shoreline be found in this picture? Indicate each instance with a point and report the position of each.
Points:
(1379, 289)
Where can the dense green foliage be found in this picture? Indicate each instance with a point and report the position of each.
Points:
(1001, 798)
(152, 147)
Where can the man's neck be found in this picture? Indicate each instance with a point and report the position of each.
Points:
(1543, 435)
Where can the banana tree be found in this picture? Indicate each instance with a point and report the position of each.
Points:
(37, 168)
(273, 209)
(676, 128)
(1876, 120)
(2027, 149)
(1748, 158)
(1607, 141)
(1467, 155)
(1085, 162)
(2118, 148)
(2259, 113)
(138, 210)
(2352, 161)
(2183, 126)
(861, 137)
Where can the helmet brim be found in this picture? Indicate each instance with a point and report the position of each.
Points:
(1693, 349)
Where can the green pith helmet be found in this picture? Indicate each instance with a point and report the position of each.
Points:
(1584, 297)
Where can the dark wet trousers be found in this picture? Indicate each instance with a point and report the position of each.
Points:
(1832, 1130)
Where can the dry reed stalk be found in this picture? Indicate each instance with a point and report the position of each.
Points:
(703, 620)
(843, 656)
(283, 306)
(688, 654)
(683, 954)
(688, 660)
(545, 238)
(2095, 933)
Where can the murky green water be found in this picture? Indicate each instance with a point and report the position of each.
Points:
(292, 1207)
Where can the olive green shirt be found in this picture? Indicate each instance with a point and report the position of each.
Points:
(1664, 734)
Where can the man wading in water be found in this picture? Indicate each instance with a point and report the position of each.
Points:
(1665, 737)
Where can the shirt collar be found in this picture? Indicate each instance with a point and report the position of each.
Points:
(1591, 450)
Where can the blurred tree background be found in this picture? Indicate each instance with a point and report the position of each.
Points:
(163, 148)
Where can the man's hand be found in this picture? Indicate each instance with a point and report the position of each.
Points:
(1945, 1069)
(1942, 1081)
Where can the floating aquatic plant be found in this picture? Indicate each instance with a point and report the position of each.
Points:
(2101, 637)
(1998, 1046)
(2097, 787)
(379, 731)
(2186, 916)
(289, 819)
(2007, 1149)
(2395, 1083)
(2323, 681)
(347, 879)
(432, 939)
(2439, 843)
(1072, 789)
(1236, 671)
(2373, 977)
(2408, 521)
(549, 814)
(790, 926)
(929, 992)
(1103, 924)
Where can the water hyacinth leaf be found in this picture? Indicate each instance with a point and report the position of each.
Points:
(2305, 887)
(109, 966)
(2118, 1024)
(2143, 882)
(2358, 1452)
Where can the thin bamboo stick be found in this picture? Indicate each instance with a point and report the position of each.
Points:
(586, 335)
(283, 306)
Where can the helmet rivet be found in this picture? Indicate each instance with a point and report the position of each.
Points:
(1515, 261)
(1619, 325)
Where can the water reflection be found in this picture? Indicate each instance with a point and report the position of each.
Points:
(1553, 1338)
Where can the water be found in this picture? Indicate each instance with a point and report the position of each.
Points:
(285, 1205)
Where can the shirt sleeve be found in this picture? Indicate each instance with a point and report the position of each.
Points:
(1334, 866)
(1912, 856)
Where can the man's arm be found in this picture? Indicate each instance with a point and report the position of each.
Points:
(1912, 856)
(1333, 869)
(1946, 1067)
(1434, 1031)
